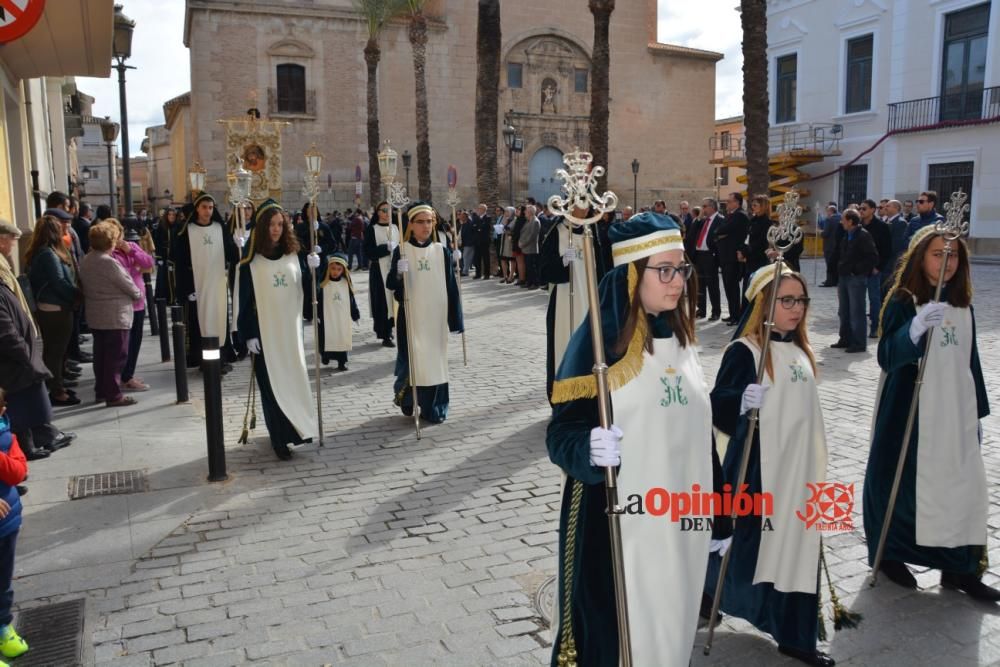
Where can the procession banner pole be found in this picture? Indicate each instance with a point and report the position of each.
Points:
(580, 188)
(453, 202)
(780, 237)
(951, 229)
(398, 199)
(313, 161)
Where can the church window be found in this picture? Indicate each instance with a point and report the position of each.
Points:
(580, 80)
(291, 88)
(514, 72)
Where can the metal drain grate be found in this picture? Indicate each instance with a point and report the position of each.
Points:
(107, 484)
(54, 634)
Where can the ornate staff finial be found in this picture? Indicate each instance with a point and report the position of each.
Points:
(580, 188)
(787, 232)
(954, 225)
(397, 195)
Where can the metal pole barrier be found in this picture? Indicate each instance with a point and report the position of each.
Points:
(154, 321)
(211, 371)
(180, 357)
(161, 314)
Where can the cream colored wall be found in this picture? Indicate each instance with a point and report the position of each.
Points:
(662, 105)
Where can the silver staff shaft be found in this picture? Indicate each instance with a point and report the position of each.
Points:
(748, 441)
(910, 419)
(315, 314)
(407, 314)
(572, 320)
(610, 473)
(458, 279)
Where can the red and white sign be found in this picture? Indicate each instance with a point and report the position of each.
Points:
(17, 17)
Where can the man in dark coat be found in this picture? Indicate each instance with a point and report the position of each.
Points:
(882, 237)
(858, 258)
(483, 225)
(731, 240)
(700, 245)
(830, 226)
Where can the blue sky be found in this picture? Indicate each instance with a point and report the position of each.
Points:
(162, 65)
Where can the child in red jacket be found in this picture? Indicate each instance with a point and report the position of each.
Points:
(13, 471)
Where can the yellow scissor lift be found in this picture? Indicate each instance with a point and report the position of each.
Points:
(790, 148)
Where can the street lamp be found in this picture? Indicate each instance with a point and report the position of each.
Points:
(109, 132)
(407, 158)
(635, 184)
(121, 50)
(509, 140)
(196, 178)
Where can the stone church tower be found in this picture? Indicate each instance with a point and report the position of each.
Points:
(303, 63)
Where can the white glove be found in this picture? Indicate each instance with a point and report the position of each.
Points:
(159, 262)
(239, 240)
(722, 546)
(316, 225)
(403, 265)
(569, 256)
(392, 246)
(312, 260)
(605, 446)
(253, 345)
(192, 297)
(929, 315)
(457, 254)
(753, 397)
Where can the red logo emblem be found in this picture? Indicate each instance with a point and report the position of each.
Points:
(829, 507)
(17, 17)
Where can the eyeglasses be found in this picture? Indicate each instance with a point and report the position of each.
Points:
(668, 272)
(383, 210)
(921, 201)
(789, 302)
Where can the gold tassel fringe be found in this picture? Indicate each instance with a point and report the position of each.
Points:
(843, 618)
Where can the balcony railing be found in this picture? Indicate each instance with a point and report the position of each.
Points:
(820, 138)
(968, 108)
(276, 109)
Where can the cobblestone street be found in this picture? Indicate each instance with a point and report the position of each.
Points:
(379, 549)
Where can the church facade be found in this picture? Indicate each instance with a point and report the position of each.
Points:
(304, 65)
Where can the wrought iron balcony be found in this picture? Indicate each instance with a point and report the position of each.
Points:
(819, 139)
(929, 113)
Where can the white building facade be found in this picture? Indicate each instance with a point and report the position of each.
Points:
(915, 87)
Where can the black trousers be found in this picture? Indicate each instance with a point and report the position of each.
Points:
(708, 280)
(482, 260)
(831, 270)
(732, 272)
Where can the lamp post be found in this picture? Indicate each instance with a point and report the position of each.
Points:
(509, 136)
(121, 50)
(109, 132)
(407, 159)
(635, 184)
(718, 185)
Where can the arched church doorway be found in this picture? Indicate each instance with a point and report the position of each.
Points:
(542, 181)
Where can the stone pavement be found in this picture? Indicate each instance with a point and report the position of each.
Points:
(379, 549)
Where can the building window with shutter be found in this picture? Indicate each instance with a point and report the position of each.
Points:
(785, 87)
(860, 53)
(581, 80)
(291, 88)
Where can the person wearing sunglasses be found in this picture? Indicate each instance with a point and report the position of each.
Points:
(771, 580)
(926, 213)
(661, 438)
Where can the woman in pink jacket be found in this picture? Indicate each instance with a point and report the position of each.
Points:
(135, 261)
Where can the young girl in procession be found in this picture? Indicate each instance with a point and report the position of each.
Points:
(337, 309)
(270, 321)
(661, 437)
(941, 511)
(771, 579)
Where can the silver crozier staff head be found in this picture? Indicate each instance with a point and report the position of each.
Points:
(580, 190)
(787, 232)
(397, 195)
(954, 225)
(453, 199)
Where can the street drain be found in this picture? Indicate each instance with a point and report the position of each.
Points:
(545, 600)
(107, 484)
(54, 632)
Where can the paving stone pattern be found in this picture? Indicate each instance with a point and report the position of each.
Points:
(379, 549)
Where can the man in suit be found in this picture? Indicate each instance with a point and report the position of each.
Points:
(883, 244)
(700, 246)
(858, 257)
(483, 226)
(897, 230)
(830, 224)
(730, 240)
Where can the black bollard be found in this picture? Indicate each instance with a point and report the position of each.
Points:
(211, 370)
(180, 357)
(154, 320)
(161, 315)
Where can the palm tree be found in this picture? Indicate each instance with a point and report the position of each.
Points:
(753, 14)
(487, 100)
(375, 13)
(600, 91)
(418, 41)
